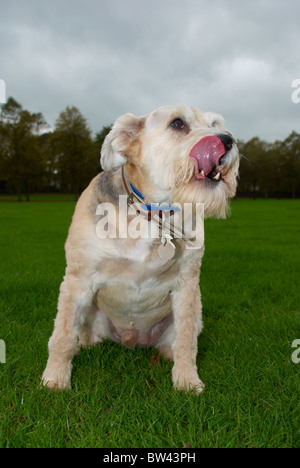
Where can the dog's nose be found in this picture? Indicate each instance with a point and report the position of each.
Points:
(227, 141)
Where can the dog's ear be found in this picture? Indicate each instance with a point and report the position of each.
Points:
(124, 132)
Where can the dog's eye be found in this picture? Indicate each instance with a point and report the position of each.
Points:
(178, 124)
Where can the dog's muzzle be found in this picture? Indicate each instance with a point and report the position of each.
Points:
(208, 153)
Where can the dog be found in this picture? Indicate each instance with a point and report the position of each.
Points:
(144, 291)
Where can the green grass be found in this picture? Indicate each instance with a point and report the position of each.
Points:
(250, 292)
(38, 197)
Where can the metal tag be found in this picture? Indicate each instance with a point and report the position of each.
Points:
(166, 250)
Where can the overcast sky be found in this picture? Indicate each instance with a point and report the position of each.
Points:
(108, 57)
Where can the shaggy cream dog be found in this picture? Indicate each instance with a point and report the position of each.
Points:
(144, 291)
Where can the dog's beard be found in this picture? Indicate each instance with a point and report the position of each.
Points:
(214, 195)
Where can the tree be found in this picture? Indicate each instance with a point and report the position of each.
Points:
(75, 153)
(21, 162)
(253, 166)
(290, 163)
(100, 137)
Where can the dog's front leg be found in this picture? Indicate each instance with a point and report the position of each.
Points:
(186, 303)
(73, 304)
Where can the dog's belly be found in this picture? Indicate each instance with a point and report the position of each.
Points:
(134, 298)
(136, 316)
(126, 306)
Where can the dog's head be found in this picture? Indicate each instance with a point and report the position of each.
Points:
(176, 154)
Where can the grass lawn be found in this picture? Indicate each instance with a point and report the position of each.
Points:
(250, 291)
(39, 197)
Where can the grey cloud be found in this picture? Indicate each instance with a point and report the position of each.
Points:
(108, 57)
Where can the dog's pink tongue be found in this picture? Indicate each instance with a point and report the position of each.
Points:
(206, 154)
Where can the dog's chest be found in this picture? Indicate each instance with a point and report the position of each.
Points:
(138, 262)
(136, 286)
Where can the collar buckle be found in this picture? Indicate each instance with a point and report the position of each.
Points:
(130, 199)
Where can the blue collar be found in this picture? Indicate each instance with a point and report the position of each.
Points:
(153, 206)
(136, 191)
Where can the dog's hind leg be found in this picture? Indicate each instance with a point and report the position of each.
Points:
(166, 352)
(95, 328)
(86, 336)
(75, 301)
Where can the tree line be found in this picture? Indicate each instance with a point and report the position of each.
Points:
(33, 159)
(65, 159)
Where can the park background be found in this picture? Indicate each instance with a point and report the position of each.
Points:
(64, 160)
(71, 68)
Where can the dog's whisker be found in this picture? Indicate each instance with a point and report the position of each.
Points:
(244, 157)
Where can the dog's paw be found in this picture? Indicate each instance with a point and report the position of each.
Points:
(187, 383)
(196, 386)
(56, 382)
(56, 385)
